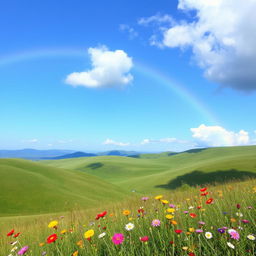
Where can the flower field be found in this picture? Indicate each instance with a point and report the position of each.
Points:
(212, 220)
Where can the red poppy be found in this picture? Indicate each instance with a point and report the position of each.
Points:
(101, 215)
(171, 242)
(209, 201)
(191, 254)
(203, 189)
(144, 239)
(10, 233)
(204, 194)
(52, 238)
(141, 210)
(192, 215)
(16, 235)
(178, 231)
(199, 207)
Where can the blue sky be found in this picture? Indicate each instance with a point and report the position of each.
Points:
(97, 75)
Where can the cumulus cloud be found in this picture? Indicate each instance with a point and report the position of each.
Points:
(163, 140)
(222, 36)
(132, 33)
(109, 69)
(156, 19)
(217, 136)
(115, 143)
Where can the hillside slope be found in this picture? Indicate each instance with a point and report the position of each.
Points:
(169, 172)
(32, 188)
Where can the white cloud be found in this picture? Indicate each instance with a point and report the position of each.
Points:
(31, 141)
(115, 143)
(217, 136)
(156, 19)
(129, 30)
(109, 69)
(163, 140)
(222, 36)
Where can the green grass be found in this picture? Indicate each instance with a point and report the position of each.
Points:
(163, 240)
(149, 174)
(32, 188)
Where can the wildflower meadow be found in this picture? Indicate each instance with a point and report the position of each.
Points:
(210, 220)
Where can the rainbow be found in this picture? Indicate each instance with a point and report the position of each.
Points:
(162, 79)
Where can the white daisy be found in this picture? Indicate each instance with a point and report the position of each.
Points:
(129, 226)
(102, 235)
(251, 237)
(230, 245)
(208, 235)
(239, 214)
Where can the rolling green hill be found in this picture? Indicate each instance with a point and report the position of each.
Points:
(28, 188)
(166, 171)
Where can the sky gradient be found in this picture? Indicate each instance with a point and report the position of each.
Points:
(97, 75)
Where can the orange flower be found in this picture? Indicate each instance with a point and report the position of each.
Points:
(75, 253)
(192, 215)
(126, 212)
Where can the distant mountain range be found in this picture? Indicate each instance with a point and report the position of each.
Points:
(34, 154)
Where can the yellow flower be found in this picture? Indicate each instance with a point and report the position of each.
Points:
(158, 197)
(169, 216)
(185, 248)
(53, 224)
(164, 201)
(75, 253)
(191, 230)
(126, 212)
(170, 210)
(63, 231)
(188, 233)
(41, 244)
(130, 219)
(89, 233)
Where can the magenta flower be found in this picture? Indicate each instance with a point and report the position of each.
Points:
(144, 198)
(172, 206)
(199, 231)
(118, 238)
(245, 221)
(235, 235)
(23, 250)
(156, 223)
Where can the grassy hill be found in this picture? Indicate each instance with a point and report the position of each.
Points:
(167, 171)
(32, 188)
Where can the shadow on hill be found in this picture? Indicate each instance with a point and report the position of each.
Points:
(199, 178)
(195, 150)
(94, 165)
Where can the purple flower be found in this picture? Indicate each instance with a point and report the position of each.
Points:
(199, 231)
(23, 250)
(172, 206)
(221, 230)
(186, 212)
(235, 235)
(156, 223)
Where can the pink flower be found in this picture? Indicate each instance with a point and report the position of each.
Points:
(23, 250)
(245, 221)
(144, 239)
(118, 238)
(234, 235)
(156, 223)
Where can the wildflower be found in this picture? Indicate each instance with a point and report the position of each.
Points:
(23, 250)
(238, 206)
(199, 231)
(126, 212)
(80, 243)
(178, 231)
(170, 210)
(221, 230)
(102, 235)
(144, 198)
(233, 220)
(251, 237)
(156, 223)
(75, 253)
(164, 201)
(16, 235)
(118, 238)
(158, 197)
(186, 212)
(208, 235)
(41, 244)
(191, 254)
(144, 239)
(209, 201)
(53, 224)
(201, 222)
(231, 230)
(129, 226)
(203, 189)
(191, 230)
(63, 231)
(171, 205)
(88, 234)
(235, 235)
(169, 216)
(43, 253)
(191, 207)
(14, 249)
(174, 222)
(239, 214)
(10, 233)
(52, 238)
(245, 221)
(192, 215)
(230, 245)
(204, 194)
(101, 215)
(13, 243)
(185, 248)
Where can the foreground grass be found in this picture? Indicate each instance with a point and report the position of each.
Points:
(184, 222)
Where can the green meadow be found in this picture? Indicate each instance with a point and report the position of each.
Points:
(74, 191)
